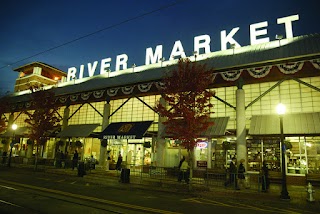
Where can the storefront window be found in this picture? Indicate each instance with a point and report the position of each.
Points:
(265, 149)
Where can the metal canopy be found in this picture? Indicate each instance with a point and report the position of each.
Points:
(217, 129)
(293, 124)
(83, 130)
(20, 131)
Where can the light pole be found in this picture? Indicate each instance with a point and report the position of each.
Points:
(14, 127)
(281, 109)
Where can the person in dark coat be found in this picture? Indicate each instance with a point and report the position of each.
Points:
(119, 161)
(180, 173)
(241, 171)
(75, 159)
(265, 177)
(233, 174)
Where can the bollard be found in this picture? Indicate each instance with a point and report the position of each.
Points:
(310, 192)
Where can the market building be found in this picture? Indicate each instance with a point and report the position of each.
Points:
(107, 115)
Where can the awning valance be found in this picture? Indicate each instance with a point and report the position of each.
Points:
(82, 130)
(293, 124)
(217, 129)
(126, 130)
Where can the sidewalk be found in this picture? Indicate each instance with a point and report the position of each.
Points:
(100, 176)
(297, 194)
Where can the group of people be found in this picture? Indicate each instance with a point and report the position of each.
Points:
(237, 175)
(62, 160)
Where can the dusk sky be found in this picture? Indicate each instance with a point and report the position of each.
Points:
(35, 26)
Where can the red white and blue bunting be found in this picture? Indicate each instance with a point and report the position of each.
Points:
(259, 72)
(290, 68)
(112, 92)
(231, 75)
(160, 85)
(127, 89)
(144, 87)
(63, 99)
(74, 97)
(98, 94)
(316, 63)
(85, 96)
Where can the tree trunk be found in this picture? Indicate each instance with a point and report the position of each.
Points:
(36, 158)
(191, 164)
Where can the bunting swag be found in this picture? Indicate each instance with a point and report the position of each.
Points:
(112, 92)
(259, 72)
(144, 87)
(290, 68)
(160, 85)
(85, 96)
(63, 99)
(74, 97)
(98, 94)
(127, 89)
(316, 63)
(231, 75)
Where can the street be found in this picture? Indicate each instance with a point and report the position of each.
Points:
(26, 191)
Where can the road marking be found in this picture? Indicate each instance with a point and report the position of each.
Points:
(120, 204)
(46, 179)
(8, 187)
(73, 182)
(6, 202)
(238, 205)
(59, 181)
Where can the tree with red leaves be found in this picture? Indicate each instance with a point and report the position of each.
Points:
(188, 103)
(43, 119)
(3, 124)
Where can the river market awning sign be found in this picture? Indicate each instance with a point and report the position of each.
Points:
(126, 130)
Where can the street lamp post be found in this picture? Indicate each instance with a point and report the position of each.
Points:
(14, 127)
(284, 192)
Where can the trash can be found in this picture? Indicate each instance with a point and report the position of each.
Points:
(125, 176)
(81, 169)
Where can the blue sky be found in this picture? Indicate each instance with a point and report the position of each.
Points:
(31, 27)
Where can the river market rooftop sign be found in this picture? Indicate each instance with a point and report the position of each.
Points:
(258, 35)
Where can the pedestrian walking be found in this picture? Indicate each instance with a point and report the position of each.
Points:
(179, 168)
(185, 171)
(265, 177)
(75, 159)
(233, 174)
(4, 157)
(241, 174)
(119, 161)
(92, 162)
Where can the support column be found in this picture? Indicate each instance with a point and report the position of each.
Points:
(160, 146)
(65, 121)
(209, 154)
(105, 123)
(241, 126)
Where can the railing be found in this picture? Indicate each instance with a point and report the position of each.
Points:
(204, 177)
